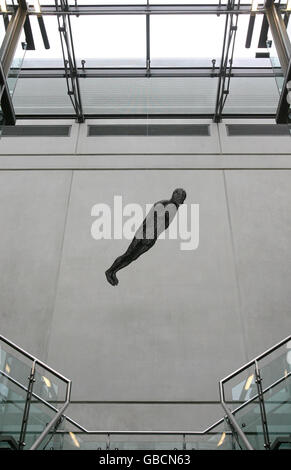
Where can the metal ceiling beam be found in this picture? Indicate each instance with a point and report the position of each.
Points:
(283, 48)
(155, 72)
(7, 52)
(144, 9)
(145, 116)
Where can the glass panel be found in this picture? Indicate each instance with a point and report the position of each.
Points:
(49, 387)
(246, 57)
(211, 441)
(276, 66)
(278, 410)
(249, 420)
(107, 2)
(252, 96)
(15, 365)
(148, 96)
(185, 2)
(39, 416)
(69, 437)
(143, 442)
(241, 388)
(15, 370)
(41, 57)
(110, 40)
(275, 366)
(12, 406)
(42, 96)
(12, 402)
(76, 440)
(186, 40)
(16, 67)
(219, 438)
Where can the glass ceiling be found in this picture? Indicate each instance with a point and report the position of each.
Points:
(147, 62)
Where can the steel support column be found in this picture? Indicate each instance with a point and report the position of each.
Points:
(226, 61)
(279, 34)
(283, 48)
(6, 101)
(7, 52)
(31, 381)
(148, 43)
(71, 73)
(262, 407)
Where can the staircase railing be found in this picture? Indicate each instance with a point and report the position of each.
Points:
(30, 394)
(279, 369)
(249, 390)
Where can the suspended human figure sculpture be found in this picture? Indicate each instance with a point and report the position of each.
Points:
(156, 222)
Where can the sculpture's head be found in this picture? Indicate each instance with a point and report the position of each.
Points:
(179, 196)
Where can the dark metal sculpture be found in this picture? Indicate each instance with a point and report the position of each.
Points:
(157, 220)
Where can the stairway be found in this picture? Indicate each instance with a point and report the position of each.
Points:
(256, 402)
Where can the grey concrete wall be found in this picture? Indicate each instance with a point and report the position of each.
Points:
(33, 207)
(178, 321)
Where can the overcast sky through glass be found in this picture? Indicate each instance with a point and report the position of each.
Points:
(121, 40)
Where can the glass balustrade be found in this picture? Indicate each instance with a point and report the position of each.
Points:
(31, 395)
(259, 397)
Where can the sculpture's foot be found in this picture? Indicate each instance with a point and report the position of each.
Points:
(111, 277)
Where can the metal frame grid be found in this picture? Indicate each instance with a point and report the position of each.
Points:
(273, 12)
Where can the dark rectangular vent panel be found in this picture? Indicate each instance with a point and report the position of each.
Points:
(143, 130)
(36, 131)
(241, 130)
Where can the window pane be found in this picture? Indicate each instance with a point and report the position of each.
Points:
(252, 96)
(148, 95)
(186, 40)
(244, 57)
(110, 40)
(42, 96)
(41, 57)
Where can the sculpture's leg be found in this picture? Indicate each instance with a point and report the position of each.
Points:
(134, 251)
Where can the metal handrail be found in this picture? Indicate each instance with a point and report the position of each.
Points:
(36, 361)
(84, 430)
(230, 415)
(256, 359)
(33, 358)
(233, 421)
(51, 424)
(253, 362)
